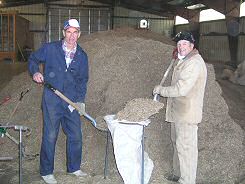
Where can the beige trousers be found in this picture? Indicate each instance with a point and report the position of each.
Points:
(184, 140)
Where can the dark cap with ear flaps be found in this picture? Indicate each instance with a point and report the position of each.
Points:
(185, 35)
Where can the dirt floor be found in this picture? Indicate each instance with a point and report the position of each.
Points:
(234, 98)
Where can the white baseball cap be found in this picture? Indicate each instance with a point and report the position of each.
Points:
(71, 23)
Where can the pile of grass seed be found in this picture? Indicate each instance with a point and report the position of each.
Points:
(126, 65)
(139, 109)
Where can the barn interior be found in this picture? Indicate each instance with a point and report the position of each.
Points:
(129, 46)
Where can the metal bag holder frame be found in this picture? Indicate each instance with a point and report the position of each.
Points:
(21, 129)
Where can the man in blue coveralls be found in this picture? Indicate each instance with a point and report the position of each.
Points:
(66, 69)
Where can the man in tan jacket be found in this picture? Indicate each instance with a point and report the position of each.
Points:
(184, 107)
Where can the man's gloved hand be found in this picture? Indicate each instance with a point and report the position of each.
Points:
(81, 108)
(157, 89)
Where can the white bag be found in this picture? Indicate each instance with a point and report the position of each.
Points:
(128, 150)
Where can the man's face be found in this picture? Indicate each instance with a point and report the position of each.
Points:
(184, 47)
(71, 35)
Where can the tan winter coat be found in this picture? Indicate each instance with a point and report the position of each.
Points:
(185, 102)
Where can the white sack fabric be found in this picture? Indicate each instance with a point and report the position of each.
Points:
(128, 150)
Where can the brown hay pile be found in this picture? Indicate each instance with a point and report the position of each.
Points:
(139, 109)
(125, 65)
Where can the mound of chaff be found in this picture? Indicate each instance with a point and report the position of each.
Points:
(139, 109)
(124, 65)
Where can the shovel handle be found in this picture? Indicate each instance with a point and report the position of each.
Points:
(75, 106)
(58, 93)
(156, 96)
(167, 72)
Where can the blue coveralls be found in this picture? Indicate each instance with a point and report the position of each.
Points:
(72, 82)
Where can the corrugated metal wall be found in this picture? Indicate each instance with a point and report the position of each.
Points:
(47, 25)
(241, 48)
(241, 41)
(93, 17)
(129, 18)
(214, 48)
(182, 27)
(49, 28)
(215, 26)
(91, 20)
(213, 40)
(242, 25)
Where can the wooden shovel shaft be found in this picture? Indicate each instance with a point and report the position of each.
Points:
(66, 99)
(156, 98)
(58, 93)
(75, 106)
(167, 72)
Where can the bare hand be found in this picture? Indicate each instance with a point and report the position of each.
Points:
(38, 77)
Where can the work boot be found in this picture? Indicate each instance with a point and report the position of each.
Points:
(172, 177)
(79, 173)
(49, 179)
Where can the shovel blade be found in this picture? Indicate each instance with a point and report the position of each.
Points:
(90, 119)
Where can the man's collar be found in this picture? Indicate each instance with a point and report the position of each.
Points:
(192, 53)
(64, 43)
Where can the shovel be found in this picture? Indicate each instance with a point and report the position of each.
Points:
(58, 93)
(174, 57)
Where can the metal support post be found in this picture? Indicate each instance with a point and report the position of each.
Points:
(20, 157)
(20, 128)
(106, 153)
(143, 156)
